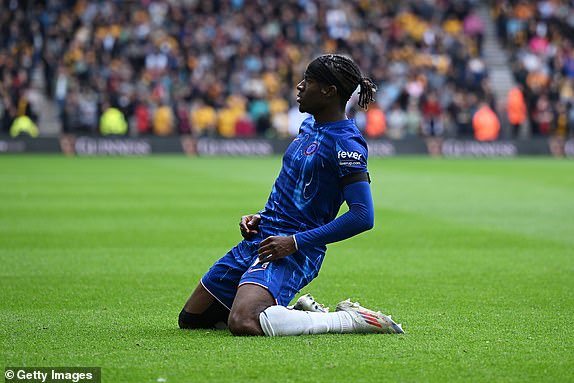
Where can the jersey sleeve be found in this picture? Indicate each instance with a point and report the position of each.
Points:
(351, 156)
(359, 218)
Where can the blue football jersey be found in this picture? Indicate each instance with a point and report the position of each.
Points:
(308, 192)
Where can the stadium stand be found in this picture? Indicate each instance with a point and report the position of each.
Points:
(229, 67)
(540, 36)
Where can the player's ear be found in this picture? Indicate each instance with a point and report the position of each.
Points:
(329, 91)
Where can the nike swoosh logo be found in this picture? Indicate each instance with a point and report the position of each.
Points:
(253, 270)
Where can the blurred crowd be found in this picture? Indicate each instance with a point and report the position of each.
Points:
(540, 38)
(229, 68)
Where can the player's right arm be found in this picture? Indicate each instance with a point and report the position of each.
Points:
(249, 224)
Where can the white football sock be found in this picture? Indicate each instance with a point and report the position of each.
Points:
(279, 320)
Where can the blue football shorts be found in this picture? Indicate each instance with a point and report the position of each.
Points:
(283, 278)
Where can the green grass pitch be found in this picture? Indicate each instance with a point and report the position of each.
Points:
(473, 257)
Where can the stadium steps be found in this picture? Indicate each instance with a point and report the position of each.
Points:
(48, 121)
(498, 65)
(495, 58)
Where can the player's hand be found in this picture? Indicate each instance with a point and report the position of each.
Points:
(249, 224)
(276, 247)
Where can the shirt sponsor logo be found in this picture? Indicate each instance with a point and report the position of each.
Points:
(349, 158)
(341, 154)
(312, 148)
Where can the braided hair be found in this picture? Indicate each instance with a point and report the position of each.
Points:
(341, 71)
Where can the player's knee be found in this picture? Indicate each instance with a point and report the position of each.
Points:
(241, 323)
(186, 320)
(214, 317)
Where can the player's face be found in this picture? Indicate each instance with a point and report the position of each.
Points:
(309, 95)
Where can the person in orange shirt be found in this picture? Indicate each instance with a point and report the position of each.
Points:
(485, 123)
(376, 124)
(515, 109)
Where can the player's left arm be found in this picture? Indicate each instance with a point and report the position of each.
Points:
(349, 158)
(359, 218)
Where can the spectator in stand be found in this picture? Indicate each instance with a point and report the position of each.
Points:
(23, 126)
(88, 113)
(376, 124)
(278, 108)
(516, 110)
(561, 130)
(163, 120)
(413, 120)
(113, 122)
(142, 118)
(182, 117)
(474, 27)
(462, 113)
(203, 119)
(61, 90)
(485, 123)
(230, 115)
(259, 112)
(396, 122)
(543, 116)
(432, 116)
(244, 127)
